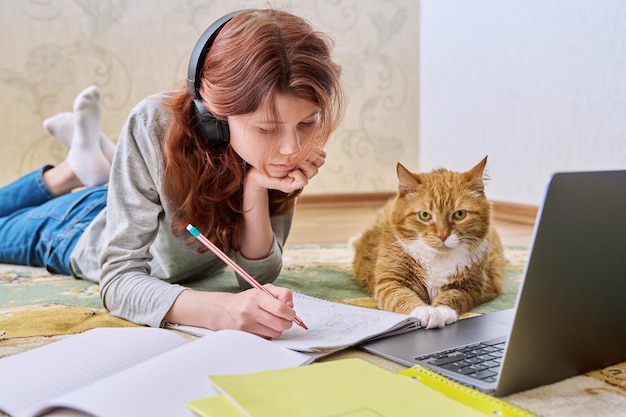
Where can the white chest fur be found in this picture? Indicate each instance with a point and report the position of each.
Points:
(440, 265)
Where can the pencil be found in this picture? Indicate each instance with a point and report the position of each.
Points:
(218, 252)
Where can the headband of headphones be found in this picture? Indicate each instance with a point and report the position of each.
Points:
(210, 129)
(200, 51)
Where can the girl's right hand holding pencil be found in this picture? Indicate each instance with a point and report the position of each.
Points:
(252, 311)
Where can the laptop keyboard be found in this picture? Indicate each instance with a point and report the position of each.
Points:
(479, 361)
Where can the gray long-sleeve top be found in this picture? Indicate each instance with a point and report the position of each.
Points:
(129, 247)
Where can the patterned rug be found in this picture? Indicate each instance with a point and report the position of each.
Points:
(37, 307)
(36, 303)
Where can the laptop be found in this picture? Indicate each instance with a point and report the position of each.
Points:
(570, 312)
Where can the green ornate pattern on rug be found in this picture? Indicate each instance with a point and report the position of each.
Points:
(323, 271)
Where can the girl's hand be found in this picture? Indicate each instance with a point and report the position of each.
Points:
(257, 312)
(293, 180)
(252, 310)
(310, 167)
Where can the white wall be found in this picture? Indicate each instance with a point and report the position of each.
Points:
(538, 85)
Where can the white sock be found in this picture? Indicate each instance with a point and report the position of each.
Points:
(61, 127)
(86, 157)
(107, 146)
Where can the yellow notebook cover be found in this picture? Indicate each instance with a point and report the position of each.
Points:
(346, 387)
(478, 400)
(218, 405)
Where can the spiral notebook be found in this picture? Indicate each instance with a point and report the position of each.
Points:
(478, 400)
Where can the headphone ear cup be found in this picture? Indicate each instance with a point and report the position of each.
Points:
(213, 131)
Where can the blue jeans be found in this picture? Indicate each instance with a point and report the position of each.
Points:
(39, 229)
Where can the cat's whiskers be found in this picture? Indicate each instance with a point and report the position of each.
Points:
(471, 241)
(404, 246)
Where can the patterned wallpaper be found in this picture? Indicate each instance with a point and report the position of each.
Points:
(52, 49)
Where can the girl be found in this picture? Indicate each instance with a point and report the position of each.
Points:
(271, 78)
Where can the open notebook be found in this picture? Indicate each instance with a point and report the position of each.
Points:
(128, 372)
(332, 326)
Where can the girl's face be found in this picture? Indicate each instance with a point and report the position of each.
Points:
(274, 144)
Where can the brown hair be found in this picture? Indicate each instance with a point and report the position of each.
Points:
(258, 54)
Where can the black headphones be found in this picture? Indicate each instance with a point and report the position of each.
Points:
(212, 130)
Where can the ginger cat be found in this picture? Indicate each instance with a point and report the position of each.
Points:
(431, 251)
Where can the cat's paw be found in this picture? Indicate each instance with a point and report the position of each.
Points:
(433, 317)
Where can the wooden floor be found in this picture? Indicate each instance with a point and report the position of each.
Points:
(338, 225)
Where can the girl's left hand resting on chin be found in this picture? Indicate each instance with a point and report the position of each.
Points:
(293, 180)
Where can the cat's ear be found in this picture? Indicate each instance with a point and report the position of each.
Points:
(407, 183)
(475, 176)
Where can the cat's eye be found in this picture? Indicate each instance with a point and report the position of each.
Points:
(424, 215)
(459, 214)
